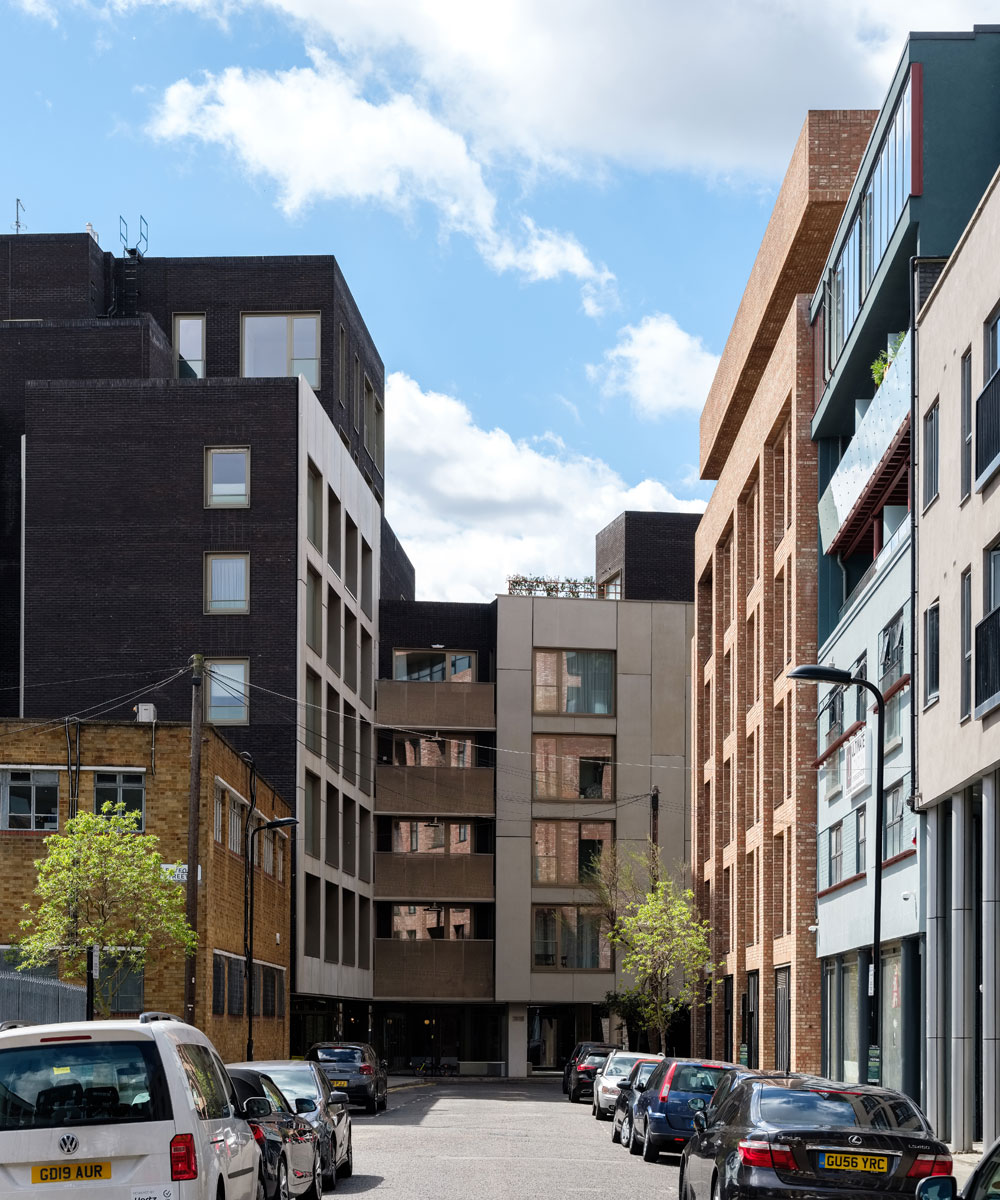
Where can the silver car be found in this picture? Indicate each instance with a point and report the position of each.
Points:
(616, 1068)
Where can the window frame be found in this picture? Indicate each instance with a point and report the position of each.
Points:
(931, 446)
(560, 794)
(448, 654)
(290, 315)
(835, 854)
(967, 628)
(210, 557)
(556, 966)
(177, 317)
(211, 501)
(557, 858)
(932, 652)
(560, 676)
(210, 663)
(861, 839)
(119, 784)
(6, 781)
(965, 376)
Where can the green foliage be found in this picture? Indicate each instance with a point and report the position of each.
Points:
(666, 950)
(885, 357)
(102, 884)
(537, 585)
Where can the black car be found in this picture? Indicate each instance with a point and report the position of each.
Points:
(291, 1164)
(581, 1076)
(802, 1135)
(580, 1051)
(628, 1090)
(662, 1117)
(355, 1068)
(323, 1108)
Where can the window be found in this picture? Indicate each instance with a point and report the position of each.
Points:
(356, 398)
(218, 985)
(965, 698)
(574, 681)
(992, 578)
(931, 652)
(313, 816)
(611, 589)
(991, 358)
(235, 826)
(314, 508)
(563, 852)
(573, 767)
(567, 938)
(29, 800)
(120, 985)
(893, 834)
(226, 692)
(209, 1095)
(379, 436)
(342, 367)
(227, 583)
(227, 477)
(369, 417)
(314, 713)
(277, 345)
(861, 840)
(836, 853)
(367, 578)
(313, 916)
(219, 808)
(434, 666)
(126, 789)
(891, 671)
(966, 381)
(314, 611)
(931, 453)
(351, 556)
(189, 345)
(334, 519)
(265, 852)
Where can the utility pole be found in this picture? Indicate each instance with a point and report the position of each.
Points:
(194, 809)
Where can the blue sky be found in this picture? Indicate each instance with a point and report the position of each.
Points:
(547, 212)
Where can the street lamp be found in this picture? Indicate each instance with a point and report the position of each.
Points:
(820, 674)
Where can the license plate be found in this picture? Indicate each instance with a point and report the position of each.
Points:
(874, 1164)
(338, 1083)
(70, 1172)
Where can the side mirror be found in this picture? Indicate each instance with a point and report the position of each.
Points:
(937, 1187)
(697, 1104)
(624, 1085)
(699, 1122)
(338, 1098)
(258, 1106)
(304, 1104)
(384, 1064)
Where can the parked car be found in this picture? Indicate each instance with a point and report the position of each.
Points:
(628, 1091)
(662, 1118)
(581, 1078)
(323, 1106)
(355, 1068)
(580, 1051)
(801, 1135)
(289, 1149)
(116, 1108)
(616, 1068)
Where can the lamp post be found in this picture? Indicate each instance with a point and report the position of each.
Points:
(820, 674)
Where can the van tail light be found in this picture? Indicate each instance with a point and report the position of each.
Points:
(183, 1160)
(258, 1134)
(667, 1080)
(367, 1069)
(929, 1164)
(776, 1156)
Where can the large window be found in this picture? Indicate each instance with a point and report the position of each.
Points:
(892, 835)
(314, 507)
(227, 583)
(966, 424)
(281, 344)
(891, 671)
(932, 666)
(227, 477)
(836, 853)
(573, 767)
(860, 839)
(965, 698)
(567, 938)
(29, 800)
(426, 750)
(434, 666)
(226, 690)
(124, 789)
(931, 453)
(563, 852)
(575, 681)
(432, 921)
(189, 345)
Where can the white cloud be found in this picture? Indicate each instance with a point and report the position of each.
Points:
(657, 367)
(472, 505)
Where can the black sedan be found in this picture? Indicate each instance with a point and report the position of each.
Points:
(355, 1068)
(806, 1136)
(307, 1088)
(289, 1150)
(628, 1090)
(581, 1076)
(580, 1052)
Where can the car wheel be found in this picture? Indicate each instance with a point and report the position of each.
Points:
(261, 1192)
(616, 1133)
(716, 1189)
(625, 1136)
(634, 1145)
(649, 1151)
(316, 1191)
(574, 1096)
(283, 1193)
(347, 1166)
(371, 1106)
(384, 1102)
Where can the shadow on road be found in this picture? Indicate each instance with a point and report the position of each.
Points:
(357, 1184)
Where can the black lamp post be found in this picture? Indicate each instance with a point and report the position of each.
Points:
(819, 674)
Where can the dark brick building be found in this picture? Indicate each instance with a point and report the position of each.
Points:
(647, 556)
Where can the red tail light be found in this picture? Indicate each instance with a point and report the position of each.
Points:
(183, 1160)
(765, 1154)
(666, 1080)
(367, 1069)
(258, 1134)
(930, 1164)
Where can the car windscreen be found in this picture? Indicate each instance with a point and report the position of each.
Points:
(295, 1082)
(645, 1070)
(815, 1109)
(621, 1064)
(690, 1077)
(340, 1054)
(594, 1060)
(82, 1083)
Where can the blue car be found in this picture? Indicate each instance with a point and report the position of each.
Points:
(662, 1118)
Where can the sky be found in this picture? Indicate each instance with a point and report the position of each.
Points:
(546, 211)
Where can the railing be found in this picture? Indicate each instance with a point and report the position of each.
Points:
(441, 791)
(42, 1001)
(534, 585)
(988, 432)
(988, 664)
(433, 969)
(899, 537)
(417, 705)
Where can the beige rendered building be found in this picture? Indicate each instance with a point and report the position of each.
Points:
(754, 738)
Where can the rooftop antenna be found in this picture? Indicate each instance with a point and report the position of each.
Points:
(142, 245)
(18, 225)
(123, 231)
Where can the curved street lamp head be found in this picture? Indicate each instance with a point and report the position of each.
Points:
(281, 823)
(813, 673)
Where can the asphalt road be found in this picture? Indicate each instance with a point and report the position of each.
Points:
(449, 1140)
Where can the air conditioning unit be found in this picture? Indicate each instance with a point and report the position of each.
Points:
(145, 714)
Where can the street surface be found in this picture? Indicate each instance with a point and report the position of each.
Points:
(507, 1140)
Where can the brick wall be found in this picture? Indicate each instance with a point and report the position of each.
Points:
(419, 624)
(654, 551)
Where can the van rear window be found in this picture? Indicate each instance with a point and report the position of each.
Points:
(81, 1083)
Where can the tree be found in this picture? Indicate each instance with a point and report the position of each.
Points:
(619, 877)
(101, 884)
(665, 951)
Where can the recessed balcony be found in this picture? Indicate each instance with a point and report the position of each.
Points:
(433, 969)
(409, 704)
(439, 791)
(443, 876)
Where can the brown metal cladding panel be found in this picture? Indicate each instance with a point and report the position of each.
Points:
(434, 876)
(439, 790)
(426, 969)
(409, 705)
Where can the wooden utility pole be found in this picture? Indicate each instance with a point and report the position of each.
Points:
(194, 809)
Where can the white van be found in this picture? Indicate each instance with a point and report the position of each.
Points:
(121, 1110)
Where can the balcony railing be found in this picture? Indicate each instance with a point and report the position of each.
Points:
(417, 705)
(988, 432)
(443, 876)
(441, 791)
(874, 437)
(433, 969)
(887, 553)
(988, 664)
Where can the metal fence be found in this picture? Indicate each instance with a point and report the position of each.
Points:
(41, 1001)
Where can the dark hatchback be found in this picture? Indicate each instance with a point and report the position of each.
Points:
(289, 1152)
(805, 1136)
(628, 1091)
(581, 1076)
(354, 1068)
(662, 1116)
(580, 1052)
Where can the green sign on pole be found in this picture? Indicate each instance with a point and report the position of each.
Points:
(874, 1064)
(744, 1057)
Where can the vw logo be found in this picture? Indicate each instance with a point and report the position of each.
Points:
(855, 1140)
(68, 1144)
